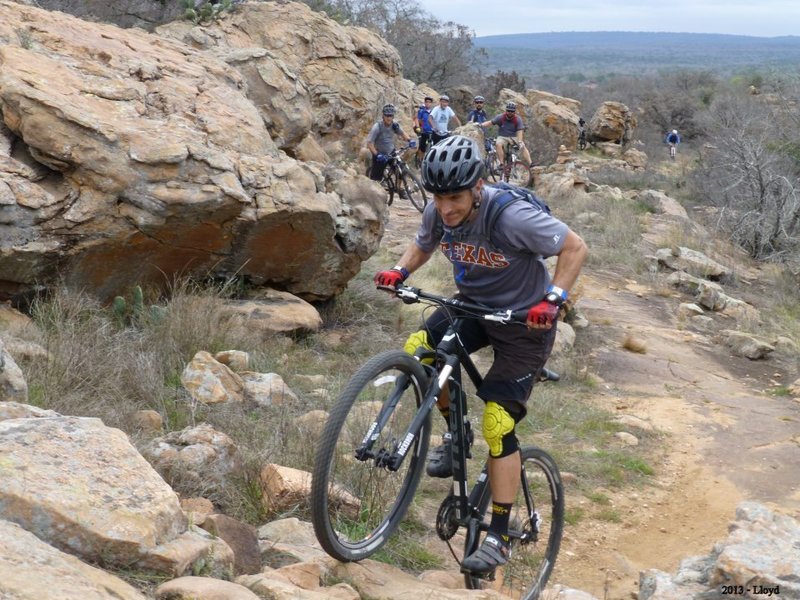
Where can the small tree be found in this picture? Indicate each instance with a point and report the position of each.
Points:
(751, 173)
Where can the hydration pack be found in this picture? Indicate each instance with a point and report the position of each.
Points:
(510, 194)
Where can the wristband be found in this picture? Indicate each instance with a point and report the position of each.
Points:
(403, 271)
(556, 295)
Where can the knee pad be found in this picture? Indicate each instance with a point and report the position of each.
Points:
(498, 430)
(419, 339)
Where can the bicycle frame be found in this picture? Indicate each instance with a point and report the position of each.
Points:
(451, 356)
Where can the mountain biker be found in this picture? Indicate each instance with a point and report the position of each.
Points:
(478, 115)
(510, 129)
(423, 126)
(506, 270)
(673, 139)
(581, 133)
(441, 117)
(380, 141)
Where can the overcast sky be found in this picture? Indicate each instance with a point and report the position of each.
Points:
(742, 17)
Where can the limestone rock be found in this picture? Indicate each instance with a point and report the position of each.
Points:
(205, 588)
(95, 495)
(663, 204)
(199, 457)
(32, 570)
(241, 538)
(171, 161)
(267, 389)
(271, 312)
(612, 122)
(746, 345)
(210, 382)
(13, 386)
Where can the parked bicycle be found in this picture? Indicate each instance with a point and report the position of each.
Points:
(514, 170)
(399, 180)
(372, 452)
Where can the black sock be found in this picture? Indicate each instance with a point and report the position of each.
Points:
(501, 515)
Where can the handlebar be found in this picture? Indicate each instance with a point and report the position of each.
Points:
(412, 295)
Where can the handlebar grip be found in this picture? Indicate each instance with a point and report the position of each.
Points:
(521, 315)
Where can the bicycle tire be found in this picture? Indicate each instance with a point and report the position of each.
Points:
(414, 192)
(355, 505)
(390, 176)
(531, 563)
(520, 174)
(493, 169)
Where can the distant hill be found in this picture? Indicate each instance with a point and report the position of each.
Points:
(605, 52)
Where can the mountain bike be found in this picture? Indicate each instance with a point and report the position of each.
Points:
(491, 163)
(398, 179)
(672, 151)
(514, 170)
(582, 139)
(372, 452)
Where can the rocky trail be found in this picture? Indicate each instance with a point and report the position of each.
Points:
(721, 438)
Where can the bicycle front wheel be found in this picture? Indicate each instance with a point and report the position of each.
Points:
(356, 504)
(412, 186)
(493, 168)
(520, 174)
(537, 524)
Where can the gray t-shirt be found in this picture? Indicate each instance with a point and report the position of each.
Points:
(383, 136)
(508, 127)
(509, 274)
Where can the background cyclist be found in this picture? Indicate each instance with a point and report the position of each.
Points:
(673, 139)
(441, 117)
(510, 128)
(423, 126)
(506, 271)
(478, 115)
(380, 141)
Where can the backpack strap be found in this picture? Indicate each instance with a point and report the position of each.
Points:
(502, 201)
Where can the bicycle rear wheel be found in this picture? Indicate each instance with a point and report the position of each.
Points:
(355, 504)
(537, 524)
(412, 186)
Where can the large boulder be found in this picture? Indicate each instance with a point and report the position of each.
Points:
(309, 76)
(612, 122)
(83, 488)
(132, 158)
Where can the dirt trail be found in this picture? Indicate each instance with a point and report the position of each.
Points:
(724, 439)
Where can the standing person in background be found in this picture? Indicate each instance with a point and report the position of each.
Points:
(441, 116)
(510, 129)
(380, 141)
(423, 126)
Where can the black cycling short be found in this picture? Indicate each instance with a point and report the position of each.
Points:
(437, 137)
(424, 140)
(519, 355)
(376, 170)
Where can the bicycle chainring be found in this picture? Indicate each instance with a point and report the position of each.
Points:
(447, 518)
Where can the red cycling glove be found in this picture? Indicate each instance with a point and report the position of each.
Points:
(542, 315)
(391, 278)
